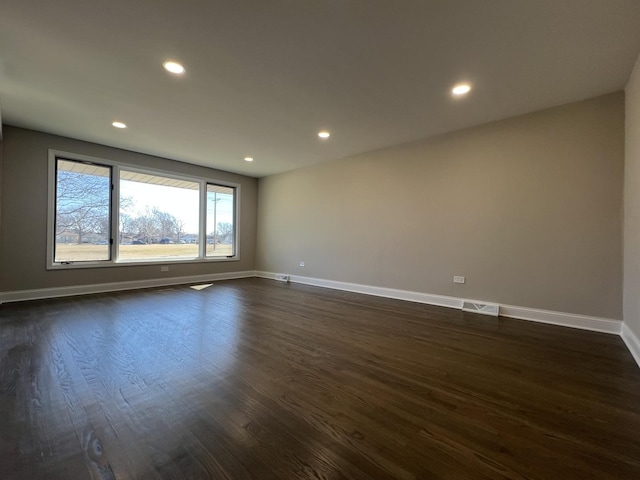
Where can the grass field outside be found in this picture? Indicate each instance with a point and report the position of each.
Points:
(67, 252)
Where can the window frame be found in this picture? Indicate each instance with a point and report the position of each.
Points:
(114, 209)
(54, 218)
(235, 214)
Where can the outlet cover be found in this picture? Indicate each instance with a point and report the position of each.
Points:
(302, 264)
(459, 279)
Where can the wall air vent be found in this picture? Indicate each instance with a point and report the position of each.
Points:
(484, 308)
(282, 277)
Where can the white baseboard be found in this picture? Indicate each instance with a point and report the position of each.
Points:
(440, 300)
(36, 294)
(632, 342)
(573, 320)
(583, 322)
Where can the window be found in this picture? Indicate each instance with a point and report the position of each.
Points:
(104, 213)
(220, 221)
(157, 216)
(82, 216)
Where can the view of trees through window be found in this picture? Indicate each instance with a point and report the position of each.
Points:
(158, 216)
(220, 230)
(82, 227)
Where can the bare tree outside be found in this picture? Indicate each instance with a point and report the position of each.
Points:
(224, 232)
(144, 227)
(126, 226)
(180, 225)
(166, 224)
(82, 204)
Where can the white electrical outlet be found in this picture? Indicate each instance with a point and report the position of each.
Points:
(301, 264)
(164, 269)
(459, 279)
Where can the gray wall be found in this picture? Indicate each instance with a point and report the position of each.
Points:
(632, 204)
(529, 209)
(1, 167)
(24, 215)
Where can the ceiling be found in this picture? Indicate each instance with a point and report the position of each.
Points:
(264, 76)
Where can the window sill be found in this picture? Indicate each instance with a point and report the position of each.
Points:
(140, 263)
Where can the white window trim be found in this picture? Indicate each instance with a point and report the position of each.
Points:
(116, 166)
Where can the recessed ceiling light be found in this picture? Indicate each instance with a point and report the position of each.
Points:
(173, 67)
(461, 89)
(324, 134)
(248, 159)
(119, 125)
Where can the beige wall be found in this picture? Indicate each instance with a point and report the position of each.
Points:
(632, 204)
(529, 209)
(24, 215)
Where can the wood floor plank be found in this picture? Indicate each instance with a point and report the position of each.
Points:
(255, 379)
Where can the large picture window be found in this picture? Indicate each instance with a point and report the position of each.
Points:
(159, 217)
(105, 213)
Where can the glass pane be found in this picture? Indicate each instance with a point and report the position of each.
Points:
(159, 217)
(220, 221)
(83, 192)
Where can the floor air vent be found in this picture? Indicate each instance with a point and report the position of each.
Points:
(484, 308)
(282, 277)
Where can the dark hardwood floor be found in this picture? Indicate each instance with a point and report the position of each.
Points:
(258, 379)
